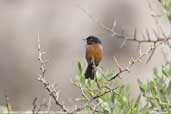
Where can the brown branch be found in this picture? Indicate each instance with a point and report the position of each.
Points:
(166, 38)
(138, 59)
(153, 49)
(50, 88)
(34, 105)
(130, 64)
(40, 58)
(119, 35)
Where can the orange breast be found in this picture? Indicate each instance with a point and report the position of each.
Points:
(94, 51)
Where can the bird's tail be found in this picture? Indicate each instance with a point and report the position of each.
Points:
(90, 71)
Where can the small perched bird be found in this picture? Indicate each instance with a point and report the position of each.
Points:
(94, 52)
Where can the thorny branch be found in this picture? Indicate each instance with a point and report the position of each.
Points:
(50, 88)
(34, 106)
(155, 43)
(119, 35)
(168, 44)
(131, 63)
(134, 61)
(129, 38)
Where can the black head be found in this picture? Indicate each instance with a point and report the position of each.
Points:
(93, 40)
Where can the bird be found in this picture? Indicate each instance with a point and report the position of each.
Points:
(94, 53)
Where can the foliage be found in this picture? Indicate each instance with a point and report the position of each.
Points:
(107, 97)
(167, 7)
(157, 92)
(107, 100)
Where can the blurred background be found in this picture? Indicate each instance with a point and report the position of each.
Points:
(62, 24)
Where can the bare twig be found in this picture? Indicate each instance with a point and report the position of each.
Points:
(34, 105)
(130, 63)
(119, 35)
(50, 88)
(151, 51)
(165, 37)
(139, 59)
(49, 103)
(120, 69)
(40, 58)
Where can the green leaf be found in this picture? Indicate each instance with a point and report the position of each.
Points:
(152, 88)
(80, 72)
(80, 69)
(104, 105)
(137, 102)
(3, 109)
(168, 92)
(82, 79)
(165, 71)
(142, 87)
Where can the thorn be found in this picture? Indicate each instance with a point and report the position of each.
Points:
(114, 25)
(123, 43)
(43, 52)
(148, 35)
(144, 37)
(117, 63)
(135, 34)
(156, 35)
(140, 52)
(152, 53)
